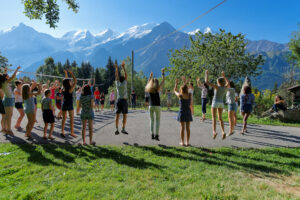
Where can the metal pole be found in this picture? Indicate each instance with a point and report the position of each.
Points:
(132, 64)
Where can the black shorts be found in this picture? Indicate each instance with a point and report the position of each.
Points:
(2, 109)
(112, 102)
(122, 106)
(102, 102)
(48, 116)
(19, 105)
(67, 107)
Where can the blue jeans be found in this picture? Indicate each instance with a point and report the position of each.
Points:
(204, 102)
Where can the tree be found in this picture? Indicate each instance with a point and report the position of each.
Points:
(294, 46)
(3, 61)
(99, 81)
(37, 9)
(109, 76)
(215, 52)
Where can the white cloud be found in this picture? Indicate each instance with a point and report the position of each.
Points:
(207, 30)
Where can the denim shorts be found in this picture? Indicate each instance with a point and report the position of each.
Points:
(232, 107)
(8, 102)
(247, 108)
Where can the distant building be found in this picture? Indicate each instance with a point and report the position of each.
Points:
(296, 94)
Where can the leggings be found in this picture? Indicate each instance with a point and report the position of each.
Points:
(156, 110)
(204, 102)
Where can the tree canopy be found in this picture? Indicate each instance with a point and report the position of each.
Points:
(3, 61)
(217, 52)
(37, 9)
(294, 46)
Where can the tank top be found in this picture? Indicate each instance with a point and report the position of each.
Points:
(18, 98)
(7, 90)
(29, 105)
(68, 97)
(154, 99)
(219, 94)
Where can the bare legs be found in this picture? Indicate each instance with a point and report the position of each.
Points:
(71, 115)
(6, 120)
(123, 122)
(21, 116)
(245, 118)
(30, 123)
(185, 126)
(51, 131)
(90, 130)
(214, 111)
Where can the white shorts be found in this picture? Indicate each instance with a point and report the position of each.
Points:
(217, 105)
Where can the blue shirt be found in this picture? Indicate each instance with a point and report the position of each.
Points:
(247, 99)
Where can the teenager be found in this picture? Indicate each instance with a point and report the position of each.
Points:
(78, 95)
(153, 88)
(133, 99)
(279, 104)
(8, 101)
(19, 104)
(184, 114)
(204, 89)
(247, 102)
(102, 101)
(87, 113)
(191, 91)
(48, 114)
(217, 102)
(28, 94)
(97, 99)
(232, 108)
(67, 105)
(122, 105)
(169, 99)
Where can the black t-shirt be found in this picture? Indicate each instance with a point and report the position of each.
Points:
(133, 97)
(154, 99)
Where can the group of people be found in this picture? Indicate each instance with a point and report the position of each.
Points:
(88, 99)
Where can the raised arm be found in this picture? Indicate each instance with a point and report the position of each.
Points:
(199, 84)
(66, 73)
(150, 77)
(163, 78)
(207, 82)
(74, 79)
(226, 80)
(123, 67)
(14, 74)
(175, 88)
(116, 71)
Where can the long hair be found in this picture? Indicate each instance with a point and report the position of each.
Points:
(221, 81)
(25, 91)
(205, 85)
(86, 90)
(247, 90)
(152, 86)
(2, 79)
(184, 89)
(66, 84)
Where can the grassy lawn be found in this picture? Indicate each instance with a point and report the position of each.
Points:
(128, 172)
(251, 120)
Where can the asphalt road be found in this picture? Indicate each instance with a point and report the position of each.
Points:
(138, 128)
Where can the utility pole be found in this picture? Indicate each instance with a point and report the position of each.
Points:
(132, 64)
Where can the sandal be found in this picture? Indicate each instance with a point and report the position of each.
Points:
(182, 144)
(215, 135)
(9, 132)
(223, 136)
(45, 137)
(62, 135)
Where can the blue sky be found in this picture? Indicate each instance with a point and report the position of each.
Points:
(259, 19)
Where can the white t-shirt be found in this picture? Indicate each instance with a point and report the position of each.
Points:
(18, 98)
(230, 96)
(203, 92)
(78, 95)
(122, 89)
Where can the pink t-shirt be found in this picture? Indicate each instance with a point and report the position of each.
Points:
(112, 96)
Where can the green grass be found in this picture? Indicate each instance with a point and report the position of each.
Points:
(134, 172)
(251, 120)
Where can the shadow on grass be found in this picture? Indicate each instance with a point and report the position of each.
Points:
(64, 153)
(212, 157)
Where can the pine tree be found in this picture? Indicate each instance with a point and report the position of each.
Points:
(109, 76)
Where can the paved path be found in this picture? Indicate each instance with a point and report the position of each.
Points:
(138, 128)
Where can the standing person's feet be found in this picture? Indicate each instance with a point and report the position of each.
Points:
(124, 132)
(157, 137)
(93, 143)
(63, 135)
(9, 132)
(73, 135)
(117, 132)
(152, 136)
(231, 133)
(51, 138)
(45, 137)
(223, 136)
(182, 144)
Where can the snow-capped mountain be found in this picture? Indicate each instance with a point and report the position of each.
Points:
(24, 46)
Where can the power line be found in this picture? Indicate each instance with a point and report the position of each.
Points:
(182, 27)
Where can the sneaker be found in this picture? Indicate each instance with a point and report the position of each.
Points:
(152, 136)
(124, 132)
(157, 137)
(117, 132)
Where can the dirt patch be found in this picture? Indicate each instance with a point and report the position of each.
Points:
(282, 184)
